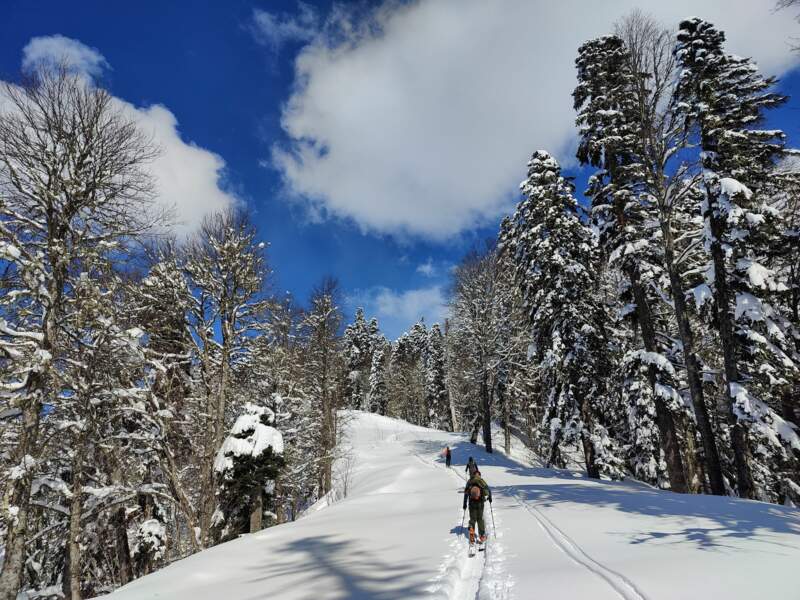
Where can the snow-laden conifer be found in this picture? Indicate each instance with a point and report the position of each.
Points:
(435, 383)
(725, 98)
(555, 256)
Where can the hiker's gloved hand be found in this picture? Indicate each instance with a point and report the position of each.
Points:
(490, 499)
(465, 506)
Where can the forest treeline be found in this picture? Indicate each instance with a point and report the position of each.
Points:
(652, 330)
(157, 398)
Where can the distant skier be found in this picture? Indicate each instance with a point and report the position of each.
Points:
(476, 493)
(448, 457)
(472, 467)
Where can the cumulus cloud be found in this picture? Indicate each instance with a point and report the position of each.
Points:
(418, 118)
(189, 179)
(398, 310)
(275, 30)
(52, 50)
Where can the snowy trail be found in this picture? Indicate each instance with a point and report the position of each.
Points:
(462, 576)
(397, 536)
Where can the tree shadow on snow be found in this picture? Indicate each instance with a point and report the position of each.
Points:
(461, 451)
(335, 568)
(727, 519)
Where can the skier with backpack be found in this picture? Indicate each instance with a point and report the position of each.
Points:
(476, 493)
(472, 467)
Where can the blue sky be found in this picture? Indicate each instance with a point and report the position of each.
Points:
(413, 120)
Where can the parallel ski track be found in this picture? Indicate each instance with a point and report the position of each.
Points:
(623, 586)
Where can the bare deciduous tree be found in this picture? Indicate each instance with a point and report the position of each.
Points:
(73, 184)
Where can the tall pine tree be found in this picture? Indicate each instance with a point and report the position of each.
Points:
(725, 98)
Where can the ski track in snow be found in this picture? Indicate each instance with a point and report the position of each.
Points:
(464, 577)
(623, 586)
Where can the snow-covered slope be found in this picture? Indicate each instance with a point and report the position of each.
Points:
(397, 535)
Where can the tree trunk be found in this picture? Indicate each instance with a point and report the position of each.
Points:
(588, 420)
(694, 473)
(75, 510)
(18, 494)
(507, 427)
(206, 475)
(257, 514)
(280, 516)
(476, 426)
(505, 408)
(66, 578)
(693, 373)
(741, 449)
(219, 413)
(664, 417)
(207, 500)
(328, 441)
(592, 470)
(453, 419)
(175, 486)
(487, 414)
(554, 457)
(122, 547)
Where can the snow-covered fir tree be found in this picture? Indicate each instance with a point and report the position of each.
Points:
(625, 218)
(357, 342)
(407, 375)
(378, 393)
(668, 182)
(435, 389)
(725, 98)
(323, 369)
(555, 256)
(247, 465)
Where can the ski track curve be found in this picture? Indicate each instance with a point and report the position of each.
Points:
(623, 586)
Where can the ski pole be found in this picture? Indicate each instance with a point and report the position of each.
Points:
(462, 520)
(494, 529)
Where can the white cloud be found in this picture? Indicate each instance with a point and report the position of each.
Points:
(419, 119)
(276, 30)
(427, 268)
(189, 179)
(397, 310)
(52, 50)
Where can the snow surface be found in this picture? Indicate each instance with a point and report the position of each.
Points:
(397, 535)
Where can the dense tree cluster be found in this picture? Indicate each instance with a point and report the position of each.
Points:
(652, 330)
(155, 399)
